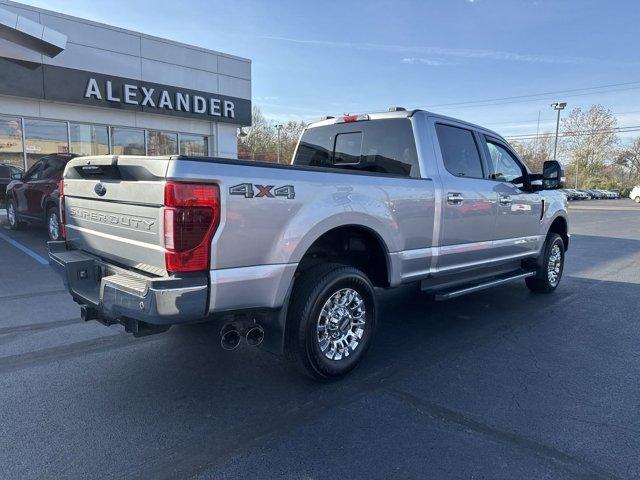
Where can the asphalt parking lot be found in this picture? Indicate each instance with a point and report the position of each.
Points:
(497, 384)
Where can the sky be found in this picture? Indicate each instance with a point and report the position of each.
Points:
(463, 58)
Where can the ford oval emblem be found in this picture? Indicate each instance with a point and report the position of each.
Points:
(100, 189)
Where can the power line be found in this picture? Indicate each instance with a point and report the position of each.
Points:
(536, 99)
(612, 129)
(557, 92)
(530, 136)
(532, 121)
(530, 97)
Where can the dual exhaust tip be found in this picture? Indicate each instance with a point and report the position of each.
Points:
(231, 336)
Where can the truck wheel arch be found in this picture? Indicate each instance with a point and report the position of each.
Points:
(559, 225)
(354, 245)
(49, 204)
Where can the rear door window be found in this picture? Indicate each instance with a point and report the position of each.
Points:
(377, 146)
(459, 151)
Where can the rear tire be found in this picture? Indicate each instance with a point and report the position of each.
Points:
(549, 266)
(53, 224)
(637, 199)
(331, 321)
(12, 216)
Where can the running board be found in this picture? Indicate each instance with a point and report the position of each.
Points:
(453, 293)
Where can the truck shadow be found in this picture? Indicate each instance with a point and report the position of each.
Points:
(232, 398)
(191, 360)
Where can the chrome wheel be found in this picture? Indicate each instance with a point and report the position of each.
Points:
(11, 214)
(54, 226)
(554, 265)
(341, 324)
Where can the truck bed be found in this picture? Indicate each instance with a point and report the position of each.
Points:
(114, 208)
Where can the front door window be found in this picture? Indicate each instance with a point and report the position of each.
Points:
(502, 166)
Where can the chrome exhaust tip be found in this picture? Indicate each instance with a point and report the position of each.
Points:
(230, 339)
(255, 336)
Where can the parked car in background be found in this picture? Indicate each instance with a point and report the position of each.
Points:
(611, 195)
(635, 194)
(616, 194)
(596, 194)
(34, 196)
(7, 173)
(582, 195)
(606, 194)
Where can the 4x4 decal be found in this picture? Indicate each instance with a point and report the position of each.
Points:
(249, 190)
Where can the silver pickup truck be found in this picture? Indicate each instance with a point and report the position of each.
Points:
(289, 257)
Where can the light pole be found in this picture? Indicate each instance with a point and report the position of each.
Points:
(559, 106)
(279, 127)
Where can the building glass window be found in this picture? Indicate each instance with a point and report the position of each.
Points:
(162, 143)
(11, 141)
(193, 145)
(44, 137)
(89, 139)
(127, 141)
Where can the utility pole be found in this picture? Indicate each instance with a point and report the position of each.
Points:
(537, 132)
(279, 127)
(558, 106)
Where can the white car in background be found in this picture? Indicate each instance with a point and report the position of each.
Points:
(635, 194)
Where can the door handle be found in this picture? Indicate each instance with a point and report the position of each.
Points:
(455, 198)
(505, 200)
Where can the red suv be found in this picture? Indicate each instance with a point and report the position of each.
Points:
(34, 196)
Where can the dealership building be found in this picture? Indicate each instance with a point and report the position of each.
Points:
(73, 85)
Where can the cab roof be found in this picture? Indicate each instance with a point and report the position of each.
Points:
(399, 112)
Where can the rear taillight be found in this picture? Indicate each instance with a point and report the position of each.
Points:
(63, 231)
(191, 216)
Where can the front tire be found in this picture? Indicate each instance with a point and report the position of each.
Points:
(549, 267)
(12, 216)
(53, 224)
(331, 321)
(637, 199)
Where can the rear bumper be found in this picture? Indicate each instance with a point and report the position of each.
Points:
(117, 293)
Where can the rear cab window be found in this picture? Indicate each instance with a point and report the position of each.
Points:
(377, 146)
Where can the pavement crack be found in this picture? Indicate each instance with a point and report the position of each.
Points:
(63, 352)
(439, 412)
(35, 327)
(19, 296)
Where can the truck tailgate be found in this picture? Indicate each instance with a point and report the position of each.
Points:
(113, 208)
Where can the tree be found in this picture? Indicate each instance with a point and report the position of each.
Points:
(630, 158)
(589, 139)
(289, 136)
(261, 142)
(535, 152)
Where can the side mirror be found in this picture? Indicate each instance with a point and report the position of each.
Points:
(17, 176)
(552, 175)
